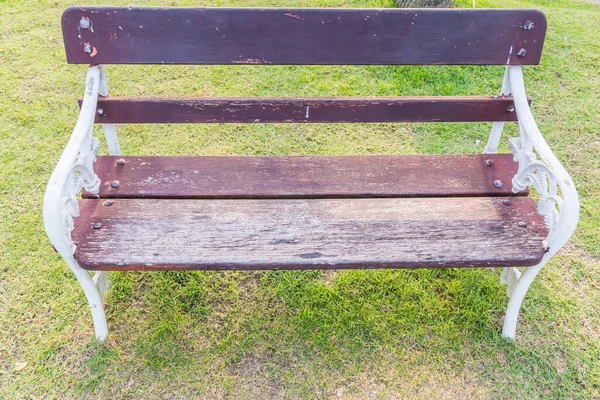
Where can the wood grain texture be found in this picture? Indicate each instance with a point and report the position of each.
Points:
(132, 35)
(305, 176)
(151, 234)
(352, 109)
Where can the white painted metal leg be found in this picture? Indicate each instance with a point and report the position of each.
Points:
(558, 200)
(95, 297)
(509, 277)
(516, 299)
(498, 127)
(110, 131)
(75, 171)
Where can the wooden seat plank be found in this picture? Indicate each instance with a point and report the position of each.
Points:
(305, 176)
(156, 234)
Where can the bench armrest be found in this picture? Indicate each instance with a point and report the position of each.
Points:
(545, 174)
(73, 172)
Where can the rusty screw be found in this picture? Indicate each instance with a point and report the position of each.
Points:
(120, 162)
(84, 23)
(100, 112)
(489, 163)
(522, 224)
(108, 203)
(115, 184)
(510, 108)
(87, 48)
(506, 202)
(498, 183)
(521, 53)
(528, 25)
(97, 225)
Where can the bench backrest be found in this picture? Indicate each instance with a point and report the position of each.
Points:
(125, 35)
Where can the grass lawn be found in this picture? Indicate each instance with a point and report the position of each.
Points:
(352, 334)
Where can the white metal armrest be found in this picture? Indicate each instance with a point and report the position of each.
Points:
(558, 200)
(73, 173)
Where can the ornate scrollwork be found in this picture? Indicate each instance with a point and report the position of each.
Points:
(535, 173)
(80, 177)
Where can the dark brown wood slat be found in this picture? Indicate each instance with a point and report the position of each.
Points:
(150, 234)
(357, 109)
(305, 176)
(132, 35)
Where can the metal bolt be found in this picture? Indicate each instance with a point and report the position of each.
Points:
(108, 203)
(84, 23)
(510, 108)
(489, 163)
(506, 202)
(521, 53)
(97, 225)
(120, 162)
(498, 183)
(87, 48)
(522, 224)
(100, 111)
(115, 184)
(528, 25)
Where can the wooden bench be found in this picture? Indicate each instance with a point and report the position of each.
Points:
(381, 211)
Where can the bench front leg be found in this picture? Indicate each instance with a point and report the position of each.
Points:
(558, 200)
(74, 172)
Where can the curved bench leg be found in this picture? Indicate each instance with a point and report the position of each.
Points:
(94, 292)
(516, 299)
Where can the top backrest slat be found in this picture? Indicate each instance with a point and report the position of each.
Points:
(126, 35)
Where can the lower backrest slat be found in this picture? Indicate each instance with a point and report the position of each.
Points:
(294, 109)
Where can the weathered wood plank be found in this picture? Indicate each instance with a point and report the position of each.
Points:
(351, 109)
(306, 176)
(132, 35)
(150, 234)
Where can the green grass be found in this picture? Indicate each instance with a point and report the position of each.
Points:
(356, 334)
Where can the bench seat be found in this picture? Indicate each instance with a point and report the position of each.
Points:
(155, 234)
(305, 176)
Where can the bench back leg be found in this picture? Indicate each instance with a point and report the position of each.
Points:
(498, 127)
(110, 131)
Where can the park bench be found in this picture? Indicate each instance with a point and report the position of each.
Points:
(153, 213)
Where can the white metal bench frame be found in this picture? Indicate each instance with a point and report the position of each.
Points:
(558, 199)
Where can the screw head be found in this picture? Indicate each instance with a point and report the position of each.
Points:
(528, 25)
(489, 163)
(115, 184)
(521, 53)
(506, 202)
(84, 23)
(100, 111)
(87, 48)
(97, 225)
(522, 224)
(510, 108)
(108, 203)
(498, 183)
(120, 162)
